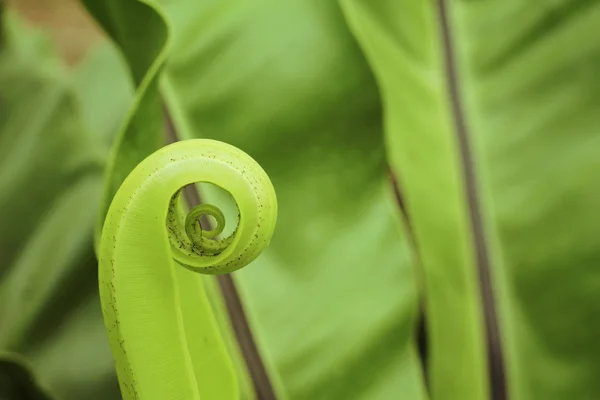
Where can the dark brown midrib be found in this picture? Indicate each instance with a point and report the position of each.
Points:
(495, 357)
(235, 309)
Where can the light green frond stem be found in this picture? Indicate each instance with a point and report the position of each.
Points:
(161, 330)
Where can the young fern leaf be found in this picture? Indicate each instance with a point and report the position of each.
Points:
(161, 331)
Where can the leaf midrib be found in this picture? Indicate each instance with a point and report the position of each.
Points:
(496, 366)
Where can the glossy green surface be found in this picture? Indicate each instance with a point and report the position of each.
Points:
(525, 79)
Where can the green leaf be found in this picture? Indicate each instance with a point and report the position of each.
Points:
(332, 302)
(142, 36)
(100, 78)
(492, 125)
(50, 183)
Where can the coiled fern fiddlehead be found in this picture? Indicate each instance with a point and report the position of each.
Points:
(160, 327)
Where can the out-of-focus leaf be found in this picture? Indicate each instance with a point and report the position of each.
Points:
(16, 381)
(401, 41)
(141, 33)
(332, 302)
(94, 90)
(2, 8)
(518, 82)
(51, 168)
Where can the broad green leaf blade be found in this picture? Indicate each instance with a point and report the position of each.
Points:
(126, 22)
(533, 102)
(402, 41)
(50, 182)
(332, 301)
(528, 98)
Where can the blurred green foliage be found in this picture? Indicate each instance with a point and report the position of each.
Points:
(54, 140)
(333, 302)
(518, 79)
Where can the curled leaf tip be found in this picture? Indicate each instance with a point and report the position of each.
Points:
(201, 160)
(142, 290)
